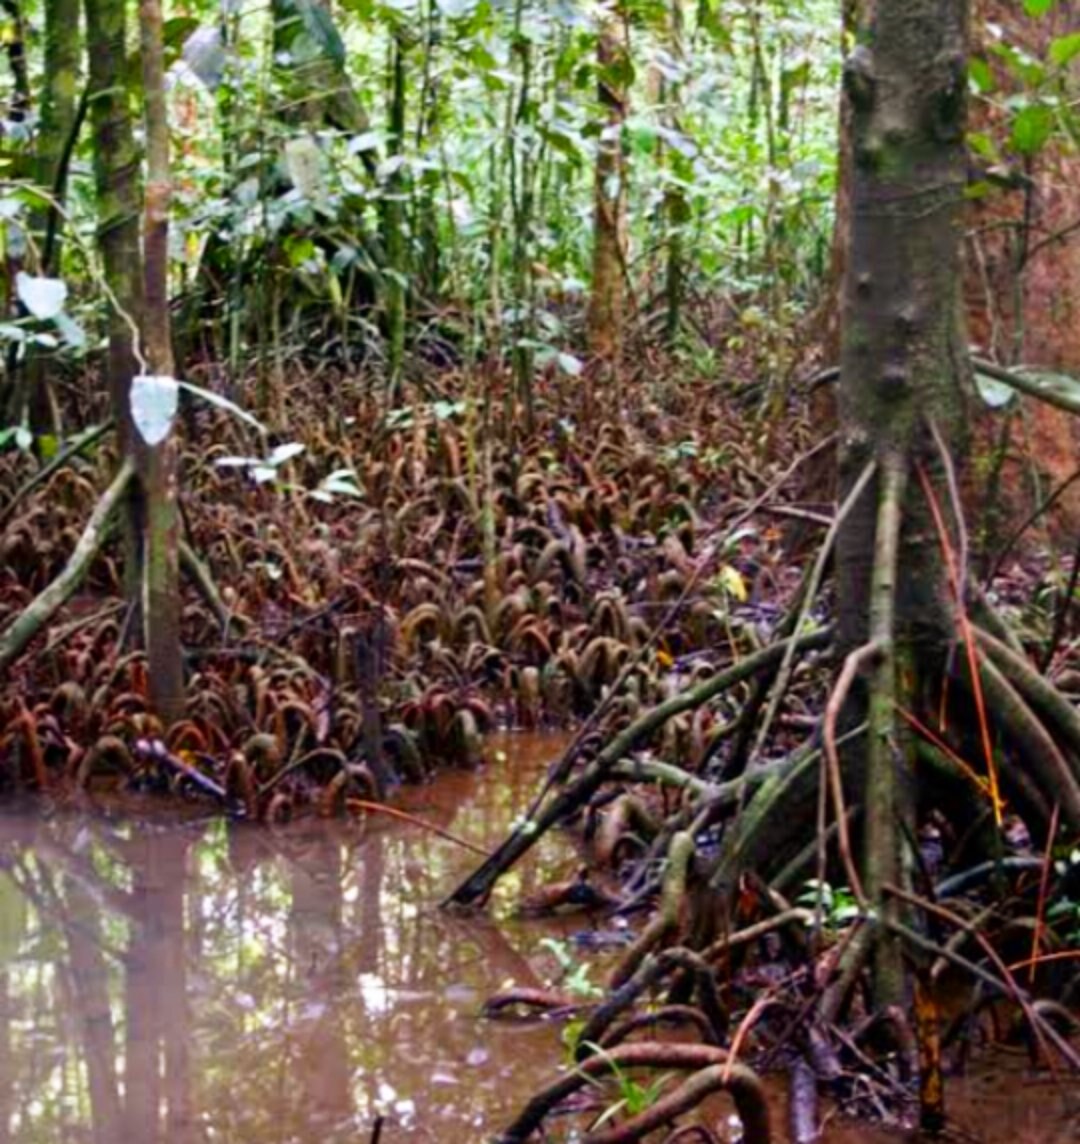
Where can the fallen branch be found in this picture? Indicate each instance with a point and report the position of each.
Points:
(46, 604)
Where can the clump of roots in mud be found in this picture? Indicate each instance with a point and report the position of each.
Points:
(340, 642)
(752, 936)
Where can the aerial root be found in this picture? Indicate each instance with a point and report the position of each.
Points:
(742, 1082)
(652, 970)
(712, 1071)
(667, 921)
(576, 794)
(47, 603)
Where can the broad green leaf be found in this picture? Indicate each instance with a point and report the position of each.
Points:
(43, 297)
(1065, 49)
(282, 453)
(154, 400)
(319, 26)
(368, 141)
(1031, 128)
(731, 582)
(981, 75)
(569, 364)
(204, 54)
(983, 145)
(72, 332)
(1038, 7)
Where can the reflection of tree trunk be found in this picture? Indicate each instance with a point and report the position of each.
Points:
(316, 940)
(142, 1000)
(371, 921)
(82, 930)
(176, 1016)
(7, 1070)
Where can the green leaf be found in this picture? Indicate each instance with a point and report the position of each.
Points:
(983, 145)
(1031, 128)
(981, 75)
(282, 453)
(1038, 7)
(303, 158)
(1065, 49)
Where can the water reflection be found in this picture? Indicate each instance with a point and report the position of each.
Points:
(203, 982)
(207, 984)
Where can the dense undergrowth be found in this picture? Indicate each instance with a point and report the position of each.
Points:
(394, 598)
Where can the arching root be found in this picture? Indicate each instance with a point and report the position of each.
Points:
(712, 1072)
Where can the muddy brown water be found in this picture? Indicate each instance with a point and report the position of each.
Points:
(199, 983)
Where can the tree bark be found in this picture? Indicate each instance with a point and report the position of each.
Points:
(157, 464)
(904, 378)
(607, 301)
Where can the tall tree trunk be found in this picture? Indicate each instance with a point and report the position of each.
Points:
(59, 122)
(116, 174)
(607, 301)
(150, 572)
(158, 463)
(393, 221)
(904, 380)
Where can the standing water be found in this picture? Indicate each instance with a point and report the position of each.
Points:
(201, 982)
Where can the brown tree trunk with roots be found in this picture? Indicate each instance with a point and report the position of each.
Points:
(907, 644)
(904, 388)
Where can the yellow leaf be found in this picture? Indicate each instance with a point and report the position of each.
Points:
(731, 582)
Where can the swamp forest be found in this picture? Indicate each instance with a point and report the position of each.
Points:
(539, 564)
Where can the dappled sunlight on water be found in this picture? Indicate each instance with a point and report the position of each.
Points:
(201, 982)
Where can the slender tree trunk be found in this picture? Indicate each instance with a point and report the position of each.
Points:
(607, 301)
(59, 116)
(150, 564)
(676, 209)
(116, 174)
(158, 463)
(393, 219)
(904, 379)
